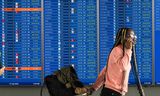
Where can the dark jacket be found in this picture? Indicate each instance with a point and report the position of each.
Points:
(63, 82)
(68, 76)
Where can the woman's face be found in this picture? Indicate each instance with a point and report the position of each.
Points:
(131, 35)
(128, 43)
(130, 40)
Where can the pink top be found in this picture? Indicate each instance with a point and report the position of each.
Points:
(117, 74)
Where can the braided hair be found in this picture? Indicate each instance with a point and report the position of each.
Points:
(121, 37)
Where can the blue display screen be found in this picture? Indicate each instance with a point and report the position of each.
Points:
(156, 39)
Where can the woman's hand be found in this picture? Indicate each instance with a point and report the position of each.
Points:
(123, 93)
(79, 90)
(2, 70)
(84, 90)
(90, 91)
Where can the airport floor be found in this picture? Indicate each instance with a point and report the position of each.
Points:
(35, 91)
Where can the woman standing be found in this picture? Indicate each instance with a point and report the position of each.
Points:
(115, 76)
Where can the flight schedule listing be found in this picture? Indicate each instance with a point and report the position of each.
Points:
(138, 15)
(84, 34)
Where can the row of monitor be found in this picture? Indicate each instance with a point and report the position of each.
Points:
(39, 37)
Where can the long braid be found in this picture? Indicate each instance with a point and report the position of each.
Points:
(120, 38)
(123, 40)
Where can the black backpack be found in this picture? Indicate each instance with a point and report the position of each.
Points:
(63, 82)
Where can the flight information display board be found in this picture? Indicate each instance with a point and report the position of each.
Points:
(39, 37)
(70, 37)
(157, 44)
(133, 14)
(21, 42)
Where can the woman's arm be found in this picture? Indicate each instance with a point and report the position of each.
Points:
(2, 70)
(125, 62)
(100, 80)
